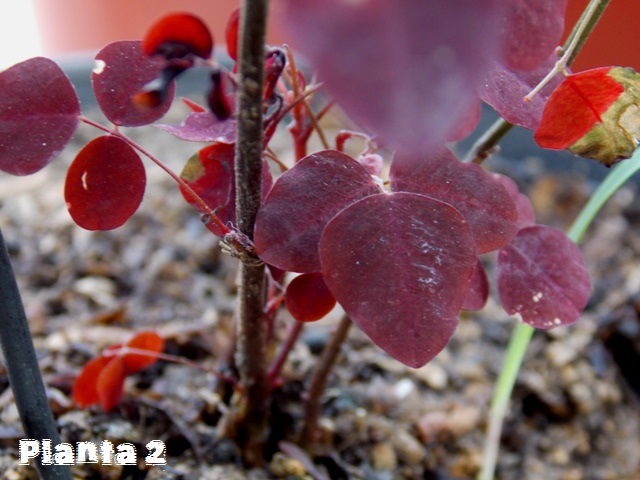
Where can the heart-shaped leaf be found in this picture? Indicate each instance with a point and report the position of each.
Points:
(399, 264)
(408, 70)
(121, 72)
(39, 112)
(105, 184)
(479, 197)
(307, 297)
(542, 278)
(301, 202)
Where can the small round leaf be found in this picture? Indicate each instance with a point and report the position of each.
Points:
(307, 297)
(122, 71)
(39, 112)
(542, 278)
(105, 184)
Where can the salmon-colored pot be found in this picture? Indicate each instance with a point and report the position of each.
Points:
(77, 25)
(71, 26)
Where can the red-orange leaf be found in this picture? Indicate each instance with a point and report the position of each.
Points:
(231, 34)
(85, 391)
(110, 383)
(105, 184)
(150, 341)
(178, 35)
(307, 297)
(595, 114)
(576, 106)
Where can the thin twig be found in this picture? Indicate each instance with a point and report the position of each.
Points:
(318, 382)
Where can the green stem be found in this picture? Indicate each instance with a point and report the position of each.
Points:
(522, 333)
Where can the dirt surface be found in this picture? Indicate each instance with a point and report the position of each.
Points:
(575, 413)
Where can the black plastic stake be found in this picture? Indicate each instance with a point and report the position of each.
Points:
(22, 368)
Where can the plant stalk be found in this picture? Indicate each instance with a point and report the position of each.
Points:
(318, 383)
(251, 420)
(22, 368)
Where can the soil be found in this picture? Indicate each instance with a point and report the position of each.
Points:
(575, 411)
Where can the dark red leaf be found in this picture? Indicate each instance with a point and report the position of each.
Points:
(532, 30)
(39, 112)
(150, 341)
(85, 387)
(203, 127)
(231, 34)
(178, 35)
(479, 197)
(542, 278)
(218, 100)
(477, 289)
(602, 105)
(301, 202)
(399, 264)
(105, 184)
(210, 173)
(407, 70)
(526, 214)
(110, 383)
(122, 71)
(307, 297)
(505, 90)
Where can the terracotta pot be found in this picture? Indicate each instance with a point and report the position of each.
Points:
(71, 26)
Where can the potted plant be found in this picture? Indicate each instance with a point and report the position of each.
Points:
(397, 246)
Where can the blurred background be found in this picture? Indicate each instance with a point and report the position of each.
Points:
(56, 28)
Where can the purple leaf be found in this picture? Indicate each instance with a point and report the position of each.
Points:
(532, 30)
(203, 127)
(39, 112)
(526, 214)
(477, 289)
(301, 202)
(121, 72)
(505, 90)
(542, 278)
(407, 70)
(399, 265)
(479, 197)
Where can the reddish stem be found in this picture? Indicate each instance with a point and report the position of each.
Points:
(278, 363)
(210, 215)
(111, 352)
